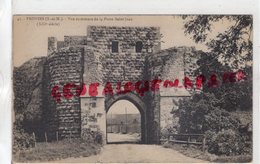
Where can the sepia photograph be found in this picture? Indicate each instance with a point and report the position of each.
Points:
(132, 89)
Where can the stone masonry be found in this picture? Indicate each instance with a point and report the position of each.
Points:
(112, 54)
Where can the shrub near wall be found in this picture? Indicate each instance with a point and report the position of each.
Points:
(227, 142)
(21, 139)
(92, 136)
(203, 114)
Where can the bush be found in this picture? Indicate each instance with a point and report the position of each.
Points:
(168, 129)
(218, 119)
(21, 139)
(92, 136)
(226, 142)
(234, 159)
(203, 113)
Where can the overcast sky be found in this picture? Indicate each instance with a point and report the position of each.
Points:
(121, 106)
(30, 35)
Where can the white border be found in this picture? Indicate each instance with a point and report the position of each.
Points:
(134, 7)
(5, 81)
(112, 7)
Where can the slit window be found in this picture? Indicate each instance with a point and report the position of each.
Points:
(138, 46)
(114, 46)
(93, 105)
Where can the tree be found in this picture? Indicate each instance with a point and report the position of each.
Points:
(233, 46)
(231, 50)
(209, 112)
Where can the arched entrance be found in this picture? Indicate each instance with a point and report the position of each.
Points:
(94, 115)
(123, 123)
(140, 105)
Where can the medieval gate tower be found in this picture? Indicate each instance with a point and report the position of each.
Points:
(113, 54)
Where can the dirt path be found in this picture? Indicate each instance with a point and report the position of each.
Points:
(115, 137)
(135, 153)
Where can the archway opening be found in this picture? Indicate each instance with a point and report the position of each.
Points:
(123, 123)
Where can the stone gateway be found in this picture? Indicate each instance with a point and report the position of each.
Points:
(108, 54)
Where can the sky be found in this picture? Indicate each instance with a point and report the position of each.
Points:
(123, 106)
(30, 33)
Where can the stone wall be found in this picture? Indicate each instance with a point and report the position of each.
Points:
(171, 64)
(66, 66)
(102, 65)
(168, 118)
(75, 40)
(93, 69)
(126, 65)
(93, 116)
(89, 59)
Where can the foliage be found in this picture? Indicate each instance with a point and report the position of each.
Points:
(92, 136)
(168, 129)
(233, 96)
(195, 152)
(233, 46)
(21, 139)
(28, 109)
(234, 159)
(227, 142)
(58, 150)
(25, 150)
(229, 51)
(202, 113)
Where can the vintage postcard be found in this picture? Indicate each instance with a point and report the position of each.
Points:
(132, 88)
